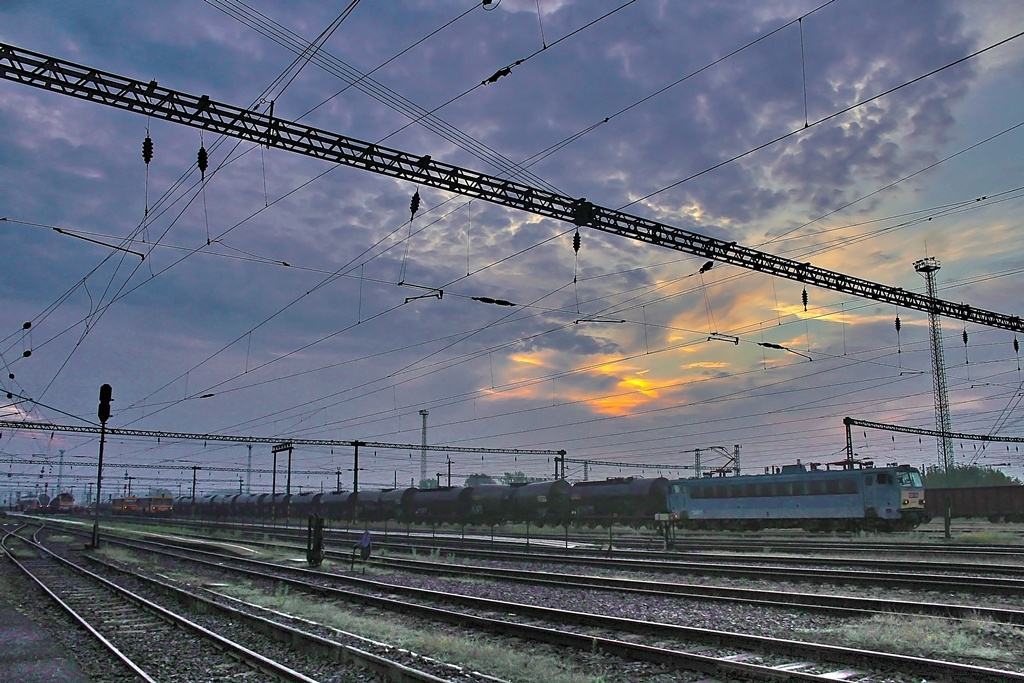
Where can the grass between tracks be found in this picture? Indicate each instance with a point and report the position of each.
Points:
(976, 640)
(434, 641)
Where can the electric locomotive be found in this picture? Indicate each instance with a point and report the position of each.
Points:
(63, 503)
(870, 498)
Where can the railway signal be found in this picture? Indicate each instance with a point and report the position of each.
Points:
(103, 413)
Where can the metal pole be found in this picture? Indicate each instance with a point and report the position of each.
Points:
(103, 413)
(423, 449)
(355, 467)
(288, 485)
(99, 480)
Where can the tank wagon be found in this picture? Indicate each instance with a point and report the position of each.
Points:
(995, 503)
(870, 498)
(445, 505)
(621, 500)
(545, 503)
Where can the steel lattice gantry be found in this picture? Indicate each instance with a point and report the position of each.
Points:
(150, 99)
(854, 422)
(47, 427)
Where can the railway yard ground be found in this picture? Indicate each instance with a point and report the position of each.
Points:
(781, 606)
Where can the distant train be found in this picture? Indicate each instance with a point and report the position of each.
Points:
(885, 499)
(27, 505)
(995, 503)
(42, 504)
(150, 506)
(62, 503)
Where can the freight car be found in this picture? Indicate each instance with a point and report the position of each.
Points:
(549, 503)
(994, 503)
(882, 499)
(620, 500)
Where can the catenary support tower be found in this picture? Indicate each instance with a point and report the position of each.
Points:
(927, 267)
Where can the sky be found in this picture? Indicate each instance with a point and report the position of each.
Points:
(284, 297)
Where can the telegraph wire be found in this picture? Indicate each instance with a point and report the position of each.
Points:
(508, 69)
(544, 153)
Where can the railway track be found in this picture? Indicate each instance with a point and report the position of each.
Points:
(994, 579)
(851, 549)
(843, 605)
(152, 643)
(721, 654)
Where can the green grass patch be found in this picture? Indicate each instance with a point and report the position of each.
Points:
(437, 641)
(939, 638)
(118, 554)
(61, 538)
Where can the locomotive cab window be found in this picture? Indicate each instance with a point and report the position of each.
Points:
(911, 479)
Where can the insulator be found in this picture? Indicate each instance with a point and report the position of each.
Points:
(706, 267)
(576, 241)
(898, 325)
(965, 336)
(583, 212)
(147, 150)
(414, 204)
(803, 297)
(1016, 346)
(203, 159)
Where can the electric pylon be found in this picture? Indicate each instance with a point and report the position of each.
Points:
(927, 267)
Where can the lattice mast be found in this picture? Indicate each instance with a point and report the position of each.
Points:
(927, 268)
(423, 450)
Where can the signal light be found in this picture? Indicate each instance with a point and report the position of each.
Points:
(106, 397)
